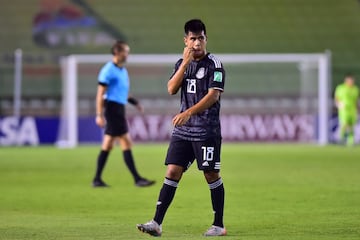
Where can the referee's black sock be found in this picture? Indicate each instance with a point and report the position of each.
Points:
(217, 199)
(166, 196)
(101, 161)
(129, 160)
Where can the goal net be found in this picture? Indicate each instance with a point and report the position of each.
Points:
(268, 97)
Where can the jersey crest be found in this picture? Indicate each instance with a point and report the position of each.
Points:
(200, 73)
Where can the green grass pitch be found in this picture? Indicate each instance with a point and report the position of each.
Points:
(272, 192)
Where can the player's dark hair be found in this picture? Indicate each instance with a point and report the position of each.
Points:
(195, 26)
(118, 46)
(349, 75)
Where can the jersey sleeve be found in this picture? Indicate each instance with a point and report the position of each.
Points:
(176, 67)
(104, 75)
(337, 92)
(217, 78)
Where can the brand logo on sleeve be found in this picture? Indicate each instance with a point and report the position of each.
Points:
(218, 76)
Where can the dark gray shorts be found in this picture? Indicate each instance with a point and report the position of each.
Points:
(183, 153)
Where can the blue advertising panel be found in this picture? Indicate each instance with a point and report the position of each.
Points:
(237, 128)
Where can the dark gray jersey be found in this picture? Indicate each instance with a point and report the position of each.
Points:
(200, 76)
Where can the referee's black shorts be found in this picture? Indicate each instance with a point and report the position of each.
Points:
(116, 124)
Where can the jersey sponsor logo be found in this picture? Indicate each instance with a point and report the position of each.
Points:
(200, 73)
(218, 77)
(191, 86)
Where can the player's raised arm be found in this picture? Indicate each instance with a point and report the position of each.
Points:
(175, 81)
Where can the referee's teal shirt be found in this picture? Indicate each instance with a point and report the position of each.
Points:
(117, 81)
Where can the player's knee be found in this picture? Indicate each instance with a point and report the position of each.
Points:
(174, 172)
(211, 176)
(125, 142)
(126, 146)
(107, 145)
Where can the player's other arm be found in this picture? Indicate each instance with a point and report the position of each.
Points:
(133, 101)
(100, 120)
(206, 102)
(175, 81)
(338, 103)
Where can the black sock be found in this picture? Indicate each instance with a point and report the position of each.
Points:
(217, 199)
(101, 161)
(129, 160)
(166, 196)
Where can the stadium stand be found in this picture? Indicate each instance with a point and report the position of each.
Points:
(237, 26)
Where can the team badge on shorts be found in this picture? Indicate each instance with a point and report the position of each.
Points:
(200, 73)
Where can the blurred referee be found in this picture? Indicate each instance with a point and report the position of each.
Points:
(112, 95)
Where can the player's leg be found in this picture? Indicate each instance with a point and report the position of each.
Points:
(343, 127)
(111, 130)
(351, 129)
(179, 158)
(207, 154)
(166, 195)
(167, 192)
(117, 126)
(126, 144)
(217, 193)
(106, 147)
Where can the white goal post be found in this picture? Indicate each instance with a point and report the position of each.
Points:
(68, 127)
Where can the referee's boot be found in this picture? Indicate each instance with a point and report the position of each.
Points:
(143, 182)
(99, 183)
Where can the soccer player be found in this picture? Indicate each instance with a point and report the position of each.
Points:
(112, 95)
(200, 76)
(346, 97)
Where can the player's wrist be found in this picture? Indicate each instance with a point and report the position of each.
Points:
(183, 66)
(133, 101)
(189, 113)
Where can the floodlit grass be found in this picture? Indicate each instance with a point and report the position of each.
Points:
(272, 192)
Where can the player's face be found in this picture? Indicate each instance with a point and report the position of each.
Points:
(349, 81)
(198, 42)
(121, 56)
